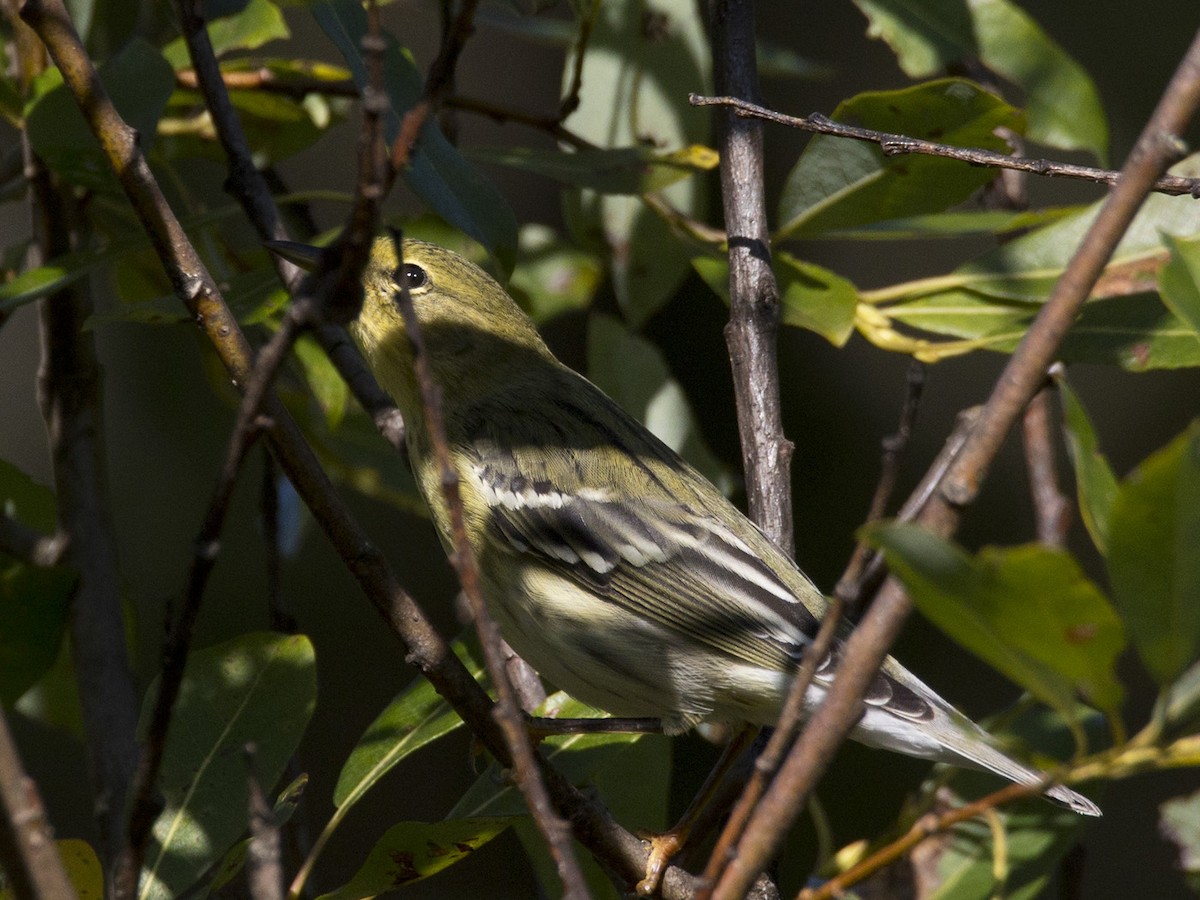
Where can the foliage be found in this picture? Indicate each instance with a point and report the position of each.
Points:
(629, 249)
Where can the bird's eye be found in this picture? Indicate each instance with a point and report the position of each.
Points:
(412, 276)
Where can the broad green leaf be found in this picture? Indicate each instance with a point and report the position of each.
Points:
(1154, 556)
(234, 860)
(30, 503)
(83, 868)
(632, 371)
(641, 62)
(839, 183)
(779, 61)
(1180, 823)
(60, 272)
(412, 851)
(418, 716)
(1095, 483)
(622, 170)
(1028, 611)
(1179, 284)
(551, 276)
(258, 688)
(815, 298)
(931, 36)
(257, 23)
(138, 80)
(437, 173)
(810, 296)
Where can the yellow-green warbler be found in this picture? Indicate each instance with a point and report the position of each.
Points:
(611, 565)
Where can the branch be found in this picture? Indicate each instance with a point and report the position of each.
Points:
(508, 711)
(868, 644)
(1052, 510)
(28, 854)
(900, 144)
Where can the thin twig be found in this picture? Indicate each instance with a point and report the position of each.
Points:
(925, 827)
(868, 644)
(508, 712)
(28, 854)
(849, 586)
(1052, 510)
(898, 144)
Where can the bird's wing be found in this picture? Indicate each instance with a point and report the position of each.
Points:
(667, 558)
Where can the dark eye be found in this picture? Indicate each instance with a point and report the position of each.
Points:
(412, 276)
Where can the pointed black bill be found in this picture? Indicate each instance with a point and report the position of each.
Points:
(305, 256)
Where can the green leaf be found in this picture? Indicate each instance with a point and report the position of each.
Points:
(258, 688)
(640, 64)
(623, 170)
(810, 296)
(323, 380)
(60, 272)
(418, 716)
(1179, 284)
(840, 183)
(931, 36)
(257, 23)
(1180, 823)
(1182, 714)
(1028, 611)
(412, 851)
(551, 276)
(633, 372)
(956, 223)
(815, 298)
(437, 173)
(137, 79)
(1095, 482)
(30, 503)
(1154, 556)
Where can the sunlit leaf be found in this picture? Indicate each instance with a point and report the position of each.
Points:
(931, 36)
(258, 22)
(840, 183)
(258, 688)
(1179, 284)
(411, 851)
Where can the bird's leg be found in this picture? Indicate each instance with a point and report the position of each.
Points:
(666, 845)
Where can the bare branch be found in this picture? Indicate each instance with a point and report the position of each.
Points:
(1051, 507)
(28, 854)
(899, 144)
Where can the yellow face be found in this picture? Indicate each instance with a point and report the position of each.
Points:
(469, 323)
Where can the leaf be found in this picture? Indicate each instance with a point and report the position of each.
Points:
(931, 36)
(83, 868)
(551, 276)
(1096, 485)
(1028, 611)
(258, 688)
(1179, 283)
(437, 173)
(137, 79)
(1154, 556)
(640, 64)
(623, 170)
(810, 296)
(34, 605)
(840, 183)
(1182, 715)
(633, 372)
(412, 851)
(323, 380)
(257, 23)
(956, 223)
(418, 716)
(1180, 824)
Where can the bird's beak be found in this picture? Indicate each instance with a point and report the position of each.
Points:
(305, 256)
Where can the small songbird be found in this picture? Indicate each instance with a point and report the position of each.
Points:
(611, 565)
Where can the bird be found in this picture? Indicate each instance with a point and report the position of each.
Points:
(611, 565)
